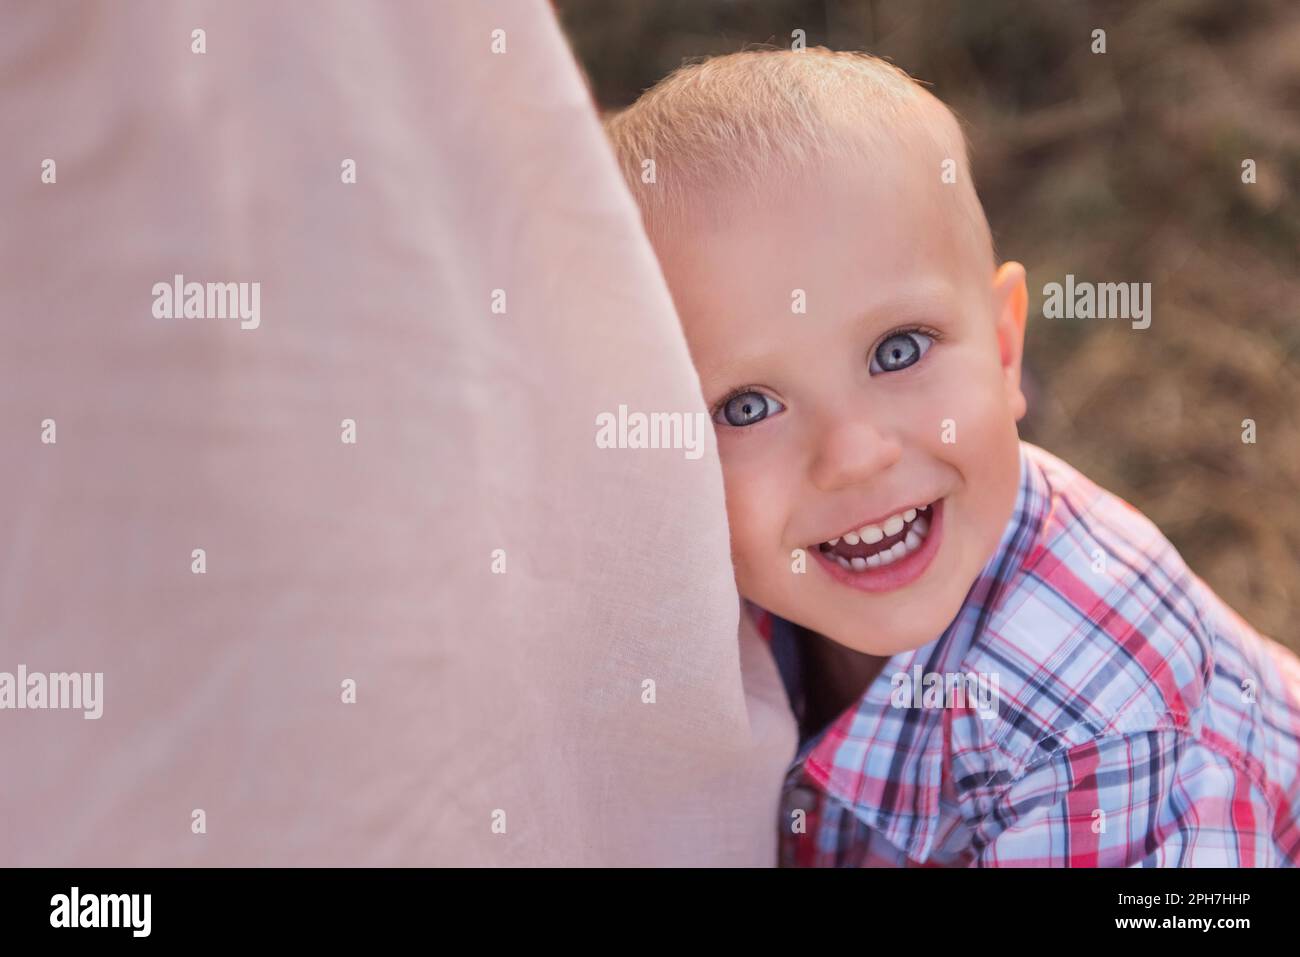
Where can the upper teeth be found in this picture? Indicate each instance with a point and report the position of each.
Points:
(870, 534)
(917, 530)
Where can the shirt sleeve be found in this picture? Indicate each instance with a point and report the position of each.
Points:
(1150, 799)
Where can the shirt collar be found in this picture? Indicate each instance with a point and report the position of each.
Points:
(886, 764)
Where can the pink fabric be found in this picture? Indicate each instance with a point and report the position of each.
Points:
(328, 561)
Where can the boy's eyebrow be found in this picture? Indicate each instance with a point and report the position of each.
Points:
(932, 301)
(934, 297)
(722, 370)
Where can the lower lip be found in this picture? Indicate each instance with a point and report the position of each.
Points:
(896, 574)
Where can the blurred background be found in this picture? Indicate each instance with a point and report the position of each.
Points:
(1122, 167)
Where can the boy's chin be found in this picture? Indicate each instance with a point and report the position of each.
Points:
(907, 631)
(880, 642)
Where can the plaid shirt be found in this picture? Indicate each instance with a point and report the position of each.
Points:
(1139, 721)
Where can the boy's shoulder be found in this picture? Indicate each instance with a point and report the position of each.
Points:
(1100, 629)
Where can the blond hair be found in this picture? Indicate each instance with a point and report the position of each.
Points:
(742, 121)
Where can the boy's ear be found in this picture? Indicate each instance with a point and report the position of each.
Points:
(1011, 306)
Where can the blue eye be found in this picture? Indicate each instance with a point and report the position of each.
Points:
(746, 408)
(900, 350)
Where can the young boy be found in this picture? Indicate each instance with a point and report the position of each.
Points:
(993, 661)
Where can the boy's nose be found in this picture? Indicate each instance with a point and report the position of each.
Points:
(851, 452)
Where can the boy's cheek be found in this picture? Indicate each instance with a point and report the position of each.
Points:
(754, 569)
(973, 418)
(746, 518)
(756, 511)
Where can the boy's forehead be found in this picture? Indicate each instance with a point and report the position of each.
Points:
(864, 242)
(730, 344)
(782, 274)
(888, 205)
(885, 175)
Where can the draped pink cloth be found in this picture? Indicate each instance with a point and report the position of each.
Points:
(373, 562)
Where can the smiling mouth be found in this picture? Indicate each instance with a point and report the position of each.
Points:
(874, 546)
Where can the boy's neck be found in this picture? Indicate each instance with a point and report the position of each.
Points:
(834, 677)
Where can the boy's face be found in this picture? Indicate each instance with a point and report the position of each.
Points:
(898, 387)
